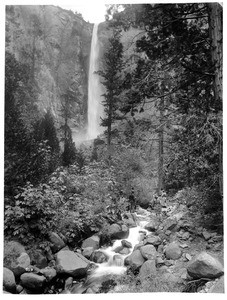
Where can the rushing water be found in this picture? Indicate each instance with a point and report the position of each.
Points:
(115, 263)
(95, 109)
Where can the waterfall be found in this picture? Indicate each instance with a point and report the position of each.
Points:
(95, 108)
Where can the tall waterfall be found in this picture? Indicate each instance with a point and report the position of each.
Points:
(95, 108)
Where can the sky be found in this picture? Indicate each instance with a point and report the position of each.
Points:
(94, 13)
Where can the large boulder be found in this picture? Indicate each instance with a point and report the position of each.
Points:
(205, 266)
(71, 263)
(33, 282)
(99, 257)
(135, 260)
(9, 282)
(148, 252)
(92, 241)
(147, 270)
(173, 251)
(15, 258)
(57, 242)
(116, 231)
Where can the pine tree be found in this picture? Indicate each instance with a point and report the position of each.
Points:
(111, 74)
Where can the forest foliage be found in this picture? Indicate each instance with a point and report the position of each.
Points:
(48, 187)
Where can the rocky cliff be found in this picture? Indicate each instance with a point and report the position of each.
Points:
(55, 43)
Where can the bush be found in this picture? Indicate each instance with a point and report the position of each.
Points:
(33, 213)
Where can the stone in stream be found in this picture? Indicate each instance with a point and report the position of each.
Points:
(71, 263)
(99, 257)
(92, 241)
(135, 260)
(124, 251)
(126, 244)
(33, 282)
(148, 252)
(116, 231)
(205, 266)
(9, 282)
(173, 251)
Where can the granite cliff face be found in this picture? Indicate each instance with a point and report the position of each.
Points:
(55, 43)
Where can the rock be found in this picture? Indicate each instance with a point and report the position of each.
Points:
(118, 249)
(68, 283)
(99, 257)
(218, 287)
(168, 232)
(205, 266)
(126, 244)
(153, 240)
(33, 282)
(21, 264)
(170, 223)
(129, 221)
(183, 246)
(206, 235)
(38, 259)
(173, 251)
(49, 273)
(147, 270)
(160, 249)
(170, 278)
(185, 236)
(169, 262)
(124, 251)
(115, 231)
(57, 242)
(15, 258)
(135, 260)
(87, 252)
(159, 261)
(9, 282)
(148, 252)
(152, 225)
(188, 256)
(19, 288)
(138, 246)
(92, 241)
(71, 263)
(142, 236)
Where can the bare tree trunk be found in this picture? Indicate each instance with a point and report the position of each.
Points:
(216, 36)
(109, 127)
(161, 148)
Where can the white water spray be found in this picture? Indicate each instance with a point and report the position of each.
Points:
(95, 109)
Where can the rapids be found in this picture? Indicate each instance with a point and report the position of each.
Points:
(115, 264)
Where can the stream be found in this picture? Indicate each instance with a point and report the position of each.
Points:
(114, 266)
